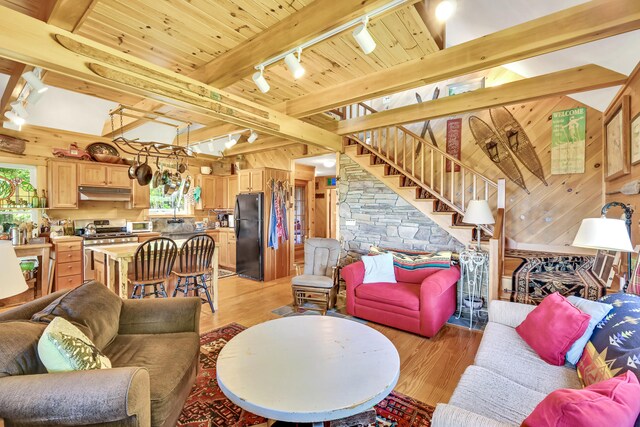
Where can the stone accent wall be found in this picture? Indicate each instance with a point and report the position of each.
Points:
(382, 217)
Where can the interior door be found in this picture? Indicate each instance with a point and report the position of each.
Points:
(300, 215)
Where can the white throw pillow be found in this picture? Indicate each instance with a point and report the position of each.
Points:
(597, 311)
(63, 348)
(379, 269)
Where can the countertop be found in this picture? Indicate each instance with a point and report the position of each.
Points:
(124, 250)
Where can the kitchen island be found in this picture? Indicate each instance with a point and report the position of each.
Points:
(116, 260)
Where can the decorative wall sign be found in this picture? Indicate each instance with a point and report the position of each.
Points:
(454, 141)
(568, 141)
(616, 140)
(635, 140)
(466, 86)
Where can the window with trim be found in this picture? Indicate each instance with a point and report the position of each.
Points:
(163, 204)
(19, 195)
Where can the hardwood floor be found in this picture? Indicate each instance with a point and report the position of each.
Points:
(429, 370)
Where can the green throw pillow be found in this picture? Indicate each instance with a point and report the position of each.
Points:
(63, 348)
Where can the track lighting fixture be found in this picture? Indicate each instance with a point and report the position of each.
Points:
(252, 137)
(35, 82)
(260, 81)
(15, 118)
(231, 142)
(363, 37)
(445, 9)
(19, 109)
(34, 97)
(293, 64)
(12, 126)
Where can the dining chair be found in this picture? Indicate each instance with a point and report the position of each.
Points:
(196, 256)
(153, 263)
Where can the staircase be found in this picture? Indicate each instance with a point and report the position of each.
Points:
(434, 182)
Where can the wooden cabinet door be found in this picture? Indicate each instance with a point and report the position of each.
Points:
(119, 177)
(257, 178)
(244, 182)
(63, 185)
(220, 192)
(223, 249)
(232, 191)
(231, 256)
(208, 192)
(92, 174)
(140, 196)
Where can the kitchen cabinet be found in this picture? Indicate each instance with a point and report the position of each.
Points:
(226, 243)
(220, 195)
(217, 192)
(100, 175)
(68, 257)
(62, 184)
(232, 191)
(140, 196)
(251, 180)
(143, 237)
(223, 245)
(231, 253)
(207, 185)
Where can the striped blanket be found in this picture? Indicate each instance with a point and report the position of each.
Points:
(415, 260)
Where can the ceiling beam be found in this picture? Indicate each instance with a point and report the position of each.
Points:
(27, 40)
(593, 20)
(70, 14)
(564, 82)
(258, 146)
(319, 17)
(13, 88)
(427, 11)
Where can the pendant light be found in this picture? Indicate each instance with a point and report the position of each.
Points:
(35, 82)
(252, 137)
(293, 64)
(363, 37)
(260, 81)
(445, 9)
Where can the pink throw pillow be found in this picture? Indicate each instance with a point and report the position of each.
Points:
(552, 328)
(613, 402)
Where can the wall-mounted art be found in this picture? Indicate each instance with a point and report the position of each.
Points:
(568, 140)
(454, 141)
(466, 86)
(616, 140)
(635, 140)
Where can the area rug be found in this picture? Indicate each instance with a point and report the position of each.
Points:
(222, 273)
(207, 406)
(542, 274)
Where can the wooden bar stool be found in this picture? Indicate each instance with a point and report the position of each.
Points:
(153, 263)
(196, 255)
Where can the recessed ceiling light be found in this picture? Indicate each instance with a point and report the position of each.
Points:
(329, 163)
(445, 9)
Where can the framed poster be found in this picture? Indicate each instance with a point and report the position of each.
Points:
(635, 140)
(616, 140)
(466, 86)
(454, 141)
(568, 141)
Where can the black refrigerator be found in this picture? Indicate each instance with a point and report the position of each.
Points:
(249, 223)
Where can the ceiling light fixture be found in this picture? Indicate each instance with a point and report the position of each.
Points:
(15, 118)
(293, 64)
(260, 81)
(35, 82)
(363, 37)
(231, 142)
(445, 10)
(329, 163)
(11, 125)
(34, 97)
(19, 109)
(252, 137)
(367, 48)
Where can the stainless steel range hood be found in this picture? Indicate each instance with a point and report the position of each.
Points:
(105, 194)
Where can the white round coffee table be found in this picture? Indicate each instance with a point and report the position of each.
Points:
(308, 369)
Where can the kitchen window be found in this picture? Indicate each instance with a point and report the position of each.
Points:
(163, 205)
(17, 187)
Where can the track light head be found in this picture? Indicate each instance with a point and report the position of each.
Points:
(363, 37)
(252, 137)
(445, 9)
(35, 82)
(260, 81)
(34, 97)
(19, 109)
(15, 118)
(293, 64)
(231, 142)
(12, 126)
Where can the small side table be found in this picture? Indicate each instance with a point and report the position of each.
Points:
(474, 277)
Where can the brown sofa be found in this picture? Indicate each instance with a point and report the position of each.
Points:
(153, 346)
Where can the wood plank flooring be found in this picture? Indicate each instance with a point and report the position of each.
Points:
(430, 368)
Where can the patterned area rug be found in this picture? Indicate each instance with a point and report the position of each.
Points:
(542, 274)
(222, 273)
(207, 406)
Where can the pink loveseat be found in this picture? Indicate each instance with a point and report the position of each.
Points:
(421, 302)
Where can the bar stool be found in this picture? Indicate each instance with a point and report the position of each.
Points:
(153, 263)
(196, 255)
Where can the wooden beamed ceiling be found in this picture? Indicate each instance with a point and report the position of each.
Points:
(27, 40)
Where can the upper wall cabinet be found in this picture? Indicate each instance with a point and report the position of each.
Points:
(63, 185)
(251, 180)
(98, 175)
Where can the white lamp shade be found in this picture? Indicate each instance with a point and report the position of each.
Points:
(13, 282)
(478, 212)
(603, 233)
(294, 66)
(364, 39)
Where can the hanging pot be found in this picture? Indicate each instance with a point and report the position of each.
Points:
(157, 175)
(182, 167)
(177, 179)
(144, 173)
(169, 188)
(133, 167)
(187, 185)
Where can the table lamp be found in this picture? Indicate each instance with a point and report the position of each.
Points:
(478, 213)
(608, 234)
(13, 282)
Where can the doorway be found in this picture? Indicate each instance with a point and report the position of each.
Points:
(300, 217)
